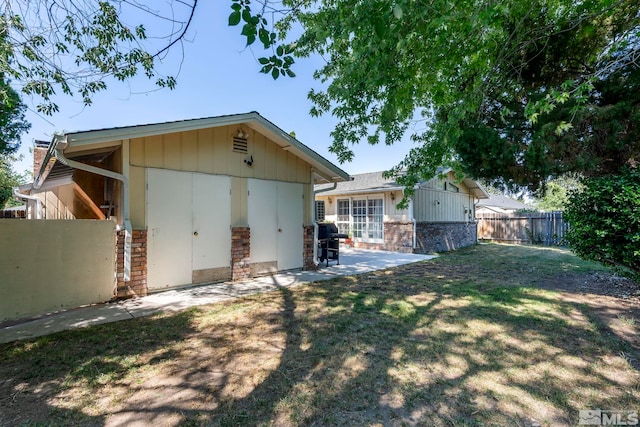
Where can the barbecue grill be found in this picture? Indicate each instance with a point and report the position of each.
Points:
(329, 242)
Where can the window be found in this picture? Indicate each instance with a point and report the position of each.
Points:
(343, 221)
(450, 187)
(359, 213)
(362, 218)
(320, 211)
(375, 215)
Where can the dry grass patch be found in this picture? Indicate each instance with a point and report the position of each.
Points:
(457, 341)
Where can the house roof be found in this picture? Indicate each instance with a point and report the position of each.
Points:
(365, 182)
(102, 138)
(373, 182)
(502, 202)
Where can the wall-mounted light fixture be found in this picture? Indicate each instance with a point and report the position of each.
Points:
(436, 202)
(249, 161)
(330, 200)
(393, 196)
(242, 134)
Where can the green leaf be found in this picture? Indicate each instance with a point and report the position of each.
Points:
(397, 11)
(234, 18)
(264, 37)
(290, 73)
(247, 29)
(263, 60)
(246, 15)
(280, 50)
(275, 73)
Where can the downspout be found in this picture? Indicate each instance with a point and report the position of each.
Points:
(315, 223)
(18, 195)
(413, 220)
(60, 145)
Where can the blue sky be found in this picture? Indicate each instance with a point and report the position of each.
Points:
(218, 76)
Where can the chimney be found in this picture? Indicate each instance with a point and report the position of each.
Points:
(39, 153)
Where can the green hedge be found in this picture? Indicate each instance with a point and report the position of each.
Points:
(604, 220)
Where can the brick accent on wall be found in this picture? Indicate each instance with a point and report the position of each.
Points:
(398, 237)
(308, 263)
(240, 253)
(444, 236)
(137, 286)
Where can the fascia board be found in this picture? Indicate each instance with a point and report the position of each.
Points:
(140, 131)
(367, 191)
(322, 166)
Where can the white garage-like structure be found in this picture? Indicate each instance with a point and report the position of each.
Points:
(197, 201)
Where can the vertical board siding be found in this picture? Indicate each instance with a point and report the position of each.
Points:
(547, 228)
(441, 206)
(205, 152)
(190, 145)
(211, 151)
(173, 151)
(137, 195)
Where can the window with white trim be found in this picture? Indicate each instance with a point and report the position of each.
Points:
(375, 215)
(343, 220)
(320, 210)
(362, 218)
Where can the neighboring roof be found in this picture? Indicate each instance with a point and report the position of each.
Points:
(373, 182)
(16, 208)
(503, 202)
(86, 139)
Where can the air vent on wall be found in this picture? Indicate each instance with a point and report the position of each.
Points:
(239, 145)
(240, 142)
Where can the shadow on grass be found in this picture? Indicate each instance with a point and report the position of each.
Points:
(425, 344)
(34, 372)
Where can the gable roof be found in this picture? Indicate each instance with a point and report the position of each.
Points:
(502, 202)
(373, 182)
(80, 140)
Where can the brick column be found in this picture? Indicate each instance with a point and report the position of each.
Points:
(137, 286)
(308, 263)
(240, 253)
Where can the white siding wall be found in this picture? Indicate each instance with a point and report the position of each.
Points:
(442, 206)
(391, 213)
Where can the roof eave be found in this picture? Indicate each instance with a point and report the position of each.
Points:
(361, 191)
(322, 166)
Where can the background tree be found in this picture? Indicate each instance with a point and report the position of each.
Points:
(8, 180)
(510, 91)
(75, 47)
(12, 125)
(555, 196)
(12, 120)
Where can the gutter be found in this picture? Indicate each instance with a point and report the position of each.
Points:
(59, 145)
(18, 195)
(413, 220)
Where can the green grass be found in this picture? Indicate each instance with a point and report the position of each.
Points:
(468, 339)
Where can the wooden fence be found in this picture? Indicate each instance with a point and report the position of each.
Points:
(544, 228)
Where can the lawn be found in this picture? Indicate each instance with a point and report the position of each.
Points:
(489, 335)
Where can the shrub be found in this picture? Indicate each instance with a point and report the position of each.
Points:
(604, 220)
